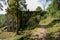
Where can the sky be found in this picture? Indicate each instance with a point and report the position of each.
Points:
(4, 7)
(31, 5)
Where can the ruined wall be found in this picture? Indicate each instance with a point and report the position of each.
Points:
(11, 23)
(14, 23)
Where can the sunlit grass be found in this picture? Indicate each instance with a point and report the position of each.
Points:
(54, 28)
(47, 20)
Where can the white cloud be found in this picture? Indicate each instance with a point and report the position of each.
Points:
(3, 11)
(32, 4)
(4, 7)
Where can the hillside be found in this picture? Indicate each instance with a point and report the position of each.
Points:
(30, 20)
(2, 21)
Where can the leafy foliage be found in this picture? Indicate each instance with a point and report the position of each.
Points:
(2, 20)
(28, 20)
(38, 9)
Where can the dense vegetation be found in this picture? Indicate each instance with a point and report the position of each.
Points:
(29, 25)
(2, 20)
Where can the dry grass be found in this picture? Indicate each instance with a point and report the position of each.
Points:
(5, 35)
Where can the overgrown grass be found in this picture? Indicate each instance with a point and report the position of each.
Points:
(54, 28)
(47, 20)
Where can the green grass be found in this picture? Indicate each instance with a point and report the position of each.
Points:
(46, 21)
(54, 28)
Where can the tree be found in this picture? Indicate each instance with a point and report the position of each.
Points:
(51, 9)
(15, 8)
(38, 9)
(54, 7)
